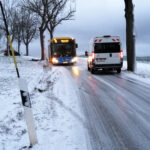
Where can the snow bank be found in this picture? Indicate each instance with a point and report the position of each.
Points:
(142, 72)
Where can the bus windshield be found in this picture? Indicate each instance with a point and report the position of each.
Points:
(62, 50)
(107, 47)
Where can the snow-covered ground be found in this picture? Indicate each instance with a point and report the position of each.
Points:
(142, 72)
(58, 117)
(55, 101)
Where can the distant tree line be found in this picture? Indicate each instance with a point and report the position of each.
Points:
(29, 19)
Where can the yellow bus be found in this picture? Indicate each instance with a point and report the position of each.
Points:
(62, 50)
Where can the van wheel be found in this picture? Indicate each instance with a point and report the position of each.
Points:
(119, 70)
(92, 70)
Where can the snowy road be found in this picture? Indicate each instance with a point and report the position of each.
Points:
(116, 108)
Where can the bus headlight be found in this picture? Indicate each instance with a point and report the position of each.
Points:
(54, 60)
(74, 59)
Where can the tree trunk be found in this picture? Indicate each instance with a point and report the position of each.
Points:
(19, 43)
(130, 37)
(51, 34)
(8, 48)
(27, 49)
(42, 44)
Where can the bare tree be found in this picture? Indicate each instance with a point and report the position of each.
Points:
(12, 20)
(9, 7)
(39, 7)
(18, 27)
(28, 26)
(49, 11)
(130, 37)
(1, 36)
(57, 14)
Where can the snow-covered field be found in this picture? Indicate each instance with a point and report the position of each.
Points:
(55, 101)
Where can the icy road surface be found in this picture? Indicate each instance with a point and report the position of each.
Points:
(117, 109)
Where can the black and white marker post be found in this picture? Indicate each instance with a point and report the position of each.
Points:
(23, 91)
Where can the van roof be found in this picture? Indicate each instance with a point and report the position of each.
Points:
(106, 38)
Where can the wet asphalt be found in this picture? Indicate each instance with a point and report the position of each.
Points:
(116, 110)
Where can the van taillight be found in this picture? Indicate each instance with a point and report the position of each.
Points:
(93, 56)
(121, 54)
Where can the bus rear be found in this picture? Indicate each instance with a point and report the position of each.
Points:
(62, 50)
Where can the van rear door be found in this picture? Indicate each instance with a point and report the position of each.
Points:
(107, 53)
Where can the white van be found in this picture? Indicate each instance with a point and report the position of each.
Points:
(105, 53)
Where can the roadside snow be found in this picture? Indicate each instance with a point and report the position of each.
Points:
(63, 118)
(142, 72)
(58, 118)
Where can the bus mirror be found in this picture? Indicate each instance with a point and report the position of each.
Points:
(76, 45)
(86, 53)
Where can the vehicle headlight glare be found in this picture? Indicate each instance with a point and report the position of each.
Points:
(54, 60)
(74, 59)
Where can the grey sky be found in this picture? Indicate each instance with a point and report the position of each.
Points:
(101, 17)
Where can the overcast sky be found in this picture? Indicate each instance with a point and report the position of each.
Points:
(104, 17)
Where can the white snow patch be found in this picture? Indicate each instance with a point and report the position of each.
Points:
(142, 72)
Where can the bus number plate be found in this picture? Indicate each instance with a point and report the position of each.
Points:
(65, 62)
